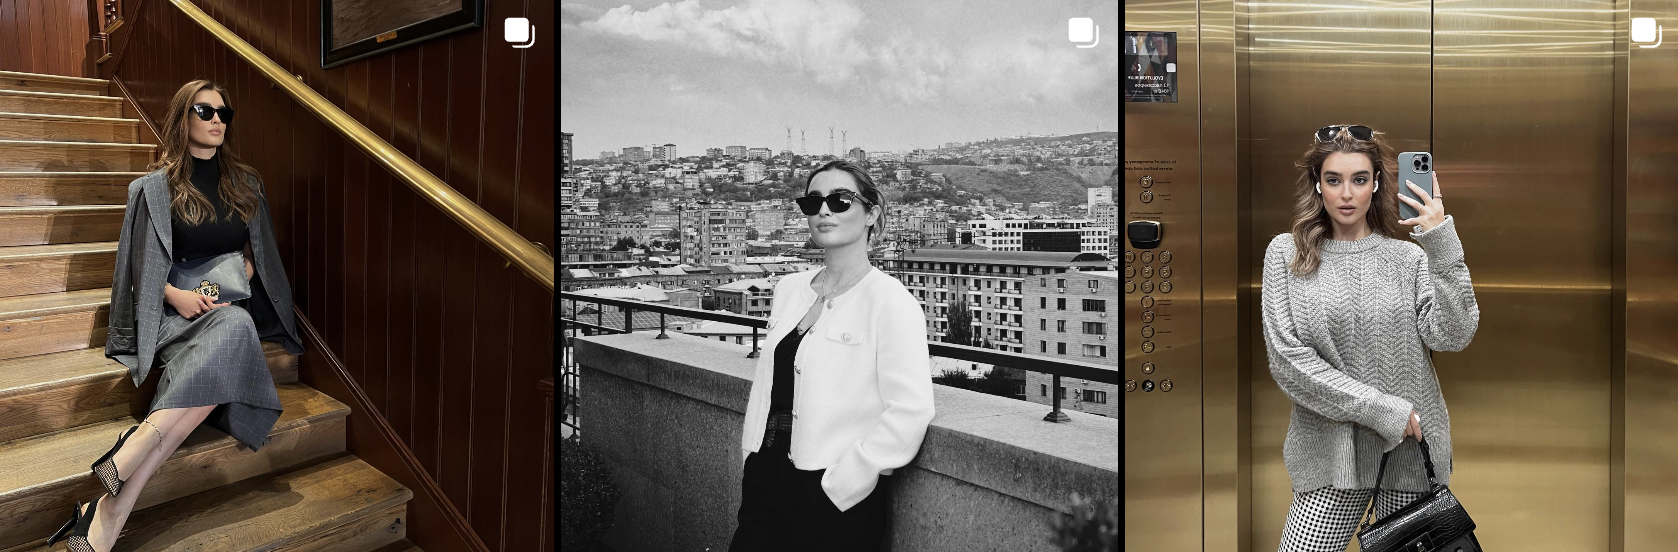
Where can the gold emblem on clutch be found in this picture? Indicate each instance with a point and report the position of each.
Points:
(206, 288)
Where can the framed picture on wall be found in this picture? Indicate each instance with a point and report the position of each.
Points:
(354, 29)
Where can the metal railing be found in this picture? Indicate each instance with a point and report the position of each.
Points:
(535, 262)
(571, 320)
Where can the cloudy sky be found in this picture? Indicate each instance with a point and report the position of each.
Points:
(896, 74)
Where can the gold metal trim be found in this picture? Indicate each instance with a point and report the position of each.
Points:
(477, 221)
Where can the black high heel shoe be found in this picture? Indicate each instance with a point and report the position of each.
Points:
(105, 468)
(77, 529)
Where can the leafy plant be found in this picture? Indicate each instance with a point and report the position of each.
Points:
(1093, 525)
(588, 498)
(954, 378)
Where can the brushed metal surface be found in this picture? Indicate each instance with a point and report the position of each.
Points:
(1163, 452)
(1566, 206)
(1651, 288)
(1316, 63)
(1226, 484)
(1522, 105)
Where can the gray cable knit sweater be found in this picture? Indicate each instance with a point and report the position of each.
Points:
(1349, 345)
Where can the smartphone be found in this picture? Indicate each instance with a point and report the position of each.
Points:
(1417, 167)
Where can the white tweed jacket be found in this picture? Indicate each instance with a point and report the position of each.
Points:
(863, 383)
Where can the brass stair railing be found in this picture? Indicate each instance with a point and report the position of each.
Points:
(480, 223)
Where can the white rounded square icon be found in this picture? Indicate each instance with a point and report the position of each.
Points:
(1643, 29)
(1080, 29)
(517, 30)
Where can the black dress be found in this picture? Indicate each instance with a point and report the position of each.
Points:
(215, 358)
(783, 507)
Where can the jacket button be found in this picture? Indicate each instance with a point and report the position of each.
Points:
(846, 338)
(797, 370)
(771, 324)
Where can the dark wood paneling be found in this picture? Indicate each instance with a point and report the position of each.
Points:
(444, 343)
(44, 36)
(430, 259)
(459, 315)
(492, 409)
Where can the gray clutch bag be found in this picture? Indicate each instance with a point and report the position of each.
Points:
(221, 277)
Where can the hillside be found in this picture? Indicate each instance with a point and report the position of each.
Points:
(1107, 135)
(1062, 184)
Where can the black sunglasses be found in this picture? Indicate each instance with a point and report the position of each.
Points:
(205, 112)
(1359, 132)
(837, 202)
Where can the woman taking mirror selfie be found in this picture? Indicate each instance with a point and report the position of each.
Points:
(1350, 313)
(199, 220)
(844, 395)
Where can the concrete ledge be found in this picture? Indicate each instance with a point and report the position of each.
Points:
(667, 413)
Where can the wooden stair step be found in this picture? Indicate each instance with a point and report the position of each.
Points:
(46, 393)
(35, 155)
(34, 188)
(49, 224)
(403, 545)
(58, 103)
(53, 322)
(36, 82)
(323, 507)
(37, 269)
(45, 474)
(68, 128)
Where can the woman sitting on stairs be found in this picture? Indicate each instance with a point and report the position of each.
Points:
(209, 357)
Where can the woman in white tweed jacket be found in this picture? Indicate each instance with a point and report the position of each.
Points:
(1350, 314)
(842, 394)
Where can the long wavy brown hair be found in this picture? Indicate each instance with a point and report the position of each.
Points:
(1311, 223)
(190, 205)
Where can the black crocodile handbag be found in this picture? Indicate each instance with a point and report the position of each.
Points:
(1435, 522)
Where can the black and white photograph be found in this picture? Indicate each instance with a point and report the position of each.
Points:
(839, 275)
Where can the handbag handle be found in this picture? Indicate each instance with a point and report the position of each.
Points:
(1427, 460)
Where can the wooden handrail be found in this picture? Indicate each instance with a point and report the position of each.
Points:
(480, 223)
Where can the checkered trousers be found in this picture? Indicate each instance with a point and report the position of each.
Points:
(1325, 519)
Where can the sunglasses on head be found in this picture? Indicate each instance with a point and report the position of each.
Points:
(1359, 132)
(205, 112)
(837, 202)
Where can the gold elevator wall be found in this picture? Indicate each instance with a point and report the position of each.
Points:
(1556, 143)
(1513, 99)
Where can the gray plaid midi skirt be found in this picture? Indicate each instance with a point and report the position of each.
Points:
(216, 359)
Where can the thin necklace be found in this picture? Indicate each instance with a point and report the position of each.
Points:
(828, 297)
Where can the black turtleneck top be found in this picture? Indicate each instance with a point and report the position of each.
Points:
(225, 233)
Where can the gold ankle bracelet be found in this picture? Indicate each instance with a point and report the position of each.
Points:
(159, 432)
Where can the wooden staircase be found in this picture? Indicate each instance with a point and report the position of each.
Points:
(66, 158)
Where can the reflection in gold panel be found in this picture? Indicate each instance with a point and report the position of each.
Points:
(1163, 454)
(1522, 99)
(1650, 218)
(1555, 144)
(1314, 64)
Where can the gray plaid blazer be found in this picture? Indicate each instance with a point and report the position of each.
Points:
(142, 267)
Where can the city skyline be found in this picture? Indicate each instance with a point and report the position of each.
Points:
(884, 76)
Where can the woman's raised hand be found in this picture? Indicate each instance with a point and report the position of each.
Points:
(1431, 210)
